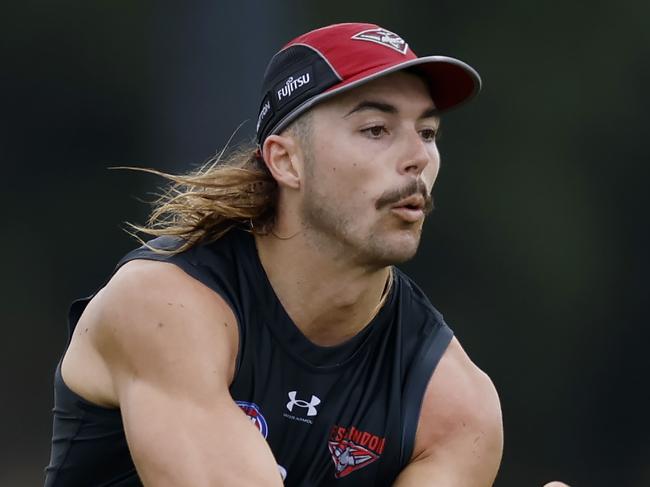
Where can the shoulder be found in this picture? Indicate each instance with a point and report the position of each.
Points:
(461, 418)
(153, 316)
(143, 289)
(458, 395)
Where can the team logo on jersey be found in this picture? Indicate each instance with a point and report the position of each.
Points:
(352, 449)
(255, 415)
(383, 37)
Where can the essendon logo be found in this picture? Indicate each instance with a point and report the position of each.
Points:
(352, 449)
(383, 37)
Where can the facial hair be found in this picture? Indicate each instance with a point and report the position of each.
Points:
(331, 226)
(416, 186)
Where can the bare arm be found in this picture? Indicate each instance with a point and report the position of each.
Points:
(169, 345)
(459, 440)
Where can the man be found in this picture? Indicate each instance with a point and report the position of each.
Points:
(265, 337)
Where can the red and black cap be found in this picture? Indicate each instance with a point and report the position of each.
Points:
(336, 58)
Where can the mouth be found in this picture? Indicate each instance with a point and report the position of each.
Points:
(410, 209)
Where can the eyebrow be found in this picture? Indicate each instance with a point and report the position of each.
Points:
(388, 108)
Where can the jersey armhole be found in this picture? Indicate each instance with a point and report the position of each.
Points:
(416, 383)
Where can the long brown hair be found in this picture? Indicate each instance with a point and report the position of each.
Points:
(231, 189)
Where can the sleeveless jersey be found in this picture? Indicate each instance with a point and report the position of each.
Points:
(339, 416)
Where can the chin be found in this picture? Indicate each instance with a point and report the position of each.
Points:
(403, 254)
(392, 250)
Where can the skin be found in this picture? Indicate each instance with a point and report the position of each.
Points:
(162, 347)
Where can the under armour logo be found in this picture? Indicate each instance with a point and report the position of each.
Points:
(303, 404)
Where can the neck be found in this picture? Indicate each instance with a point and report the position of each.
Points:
(327, 297)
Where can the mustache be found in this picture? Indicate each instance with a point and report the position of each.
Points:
(416, 186)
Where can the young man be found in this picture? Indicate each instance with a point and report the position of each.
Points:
(265, 337)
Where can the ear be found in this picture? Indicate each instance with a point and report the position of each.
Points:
(282, 156)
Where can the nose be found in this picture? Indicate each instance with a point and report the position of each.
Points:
(417, 154)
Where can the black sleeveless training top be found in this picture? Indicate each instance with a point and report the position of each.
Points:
(333, 416)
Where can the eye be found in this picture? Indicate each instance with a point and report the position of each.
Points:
(375, 132)
(429, 135)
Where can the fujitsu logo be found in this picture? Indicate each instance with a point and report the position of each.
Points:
(292, 84)
(311, 405)
(265, 109)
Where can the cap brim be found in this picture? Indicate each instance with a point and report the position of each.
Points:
(451, 82)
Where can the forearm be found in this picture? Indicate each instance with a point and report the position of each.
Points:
(192, 446)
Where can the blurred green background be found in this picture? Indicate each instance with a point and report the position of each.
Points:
(537, 253)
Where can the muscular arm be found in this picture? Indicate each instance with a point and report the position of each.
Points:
(459, 440)
(169, 346)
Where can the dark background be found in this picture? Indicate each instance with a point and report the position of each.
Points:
(536, 254)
